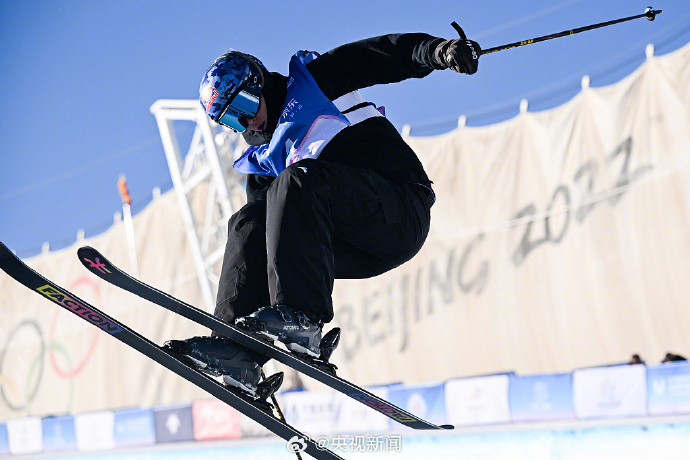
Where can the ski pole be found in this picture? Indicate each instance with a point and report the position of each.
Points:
(280, 412)
(649, 13)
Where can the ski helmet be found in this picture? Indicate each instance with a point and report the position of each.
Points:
(230, 91)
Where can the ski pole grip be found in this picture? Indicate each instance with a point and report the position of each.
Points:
(457, 27)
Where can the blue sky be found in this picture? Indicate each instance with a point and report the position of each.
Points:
(78, 78)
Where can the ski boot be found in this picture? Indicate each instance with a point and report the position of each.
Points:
(288, 325)
(220, 357)
(300, 334)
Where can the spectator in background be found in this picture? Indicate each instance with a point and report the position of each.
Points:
(636, 359)
(672, 357)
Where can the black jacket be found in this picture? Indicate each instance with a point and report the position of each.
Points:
(373, 144)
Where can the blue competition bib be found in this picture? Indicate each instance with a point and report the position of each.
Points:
(309, 120)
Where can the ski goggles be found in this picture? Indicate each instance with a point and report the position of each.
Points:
(241, 106)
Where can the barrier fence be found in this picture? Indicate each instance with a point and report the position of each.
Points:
(585, 394)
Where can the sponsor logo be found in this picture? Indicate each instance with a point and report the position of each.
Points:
(172, 423)
(474, 53)
(98, 265)
(208, 96)
(290, 328)
(79, 309)
(384, 407)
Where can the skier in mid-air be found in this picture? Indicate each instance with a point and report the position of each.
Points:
(333, 190)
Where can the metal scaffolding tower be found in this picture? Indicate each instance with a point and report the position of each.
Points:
(204, 173)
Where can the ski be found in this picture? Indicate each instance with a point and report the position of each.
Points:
(103, 268)
(25, 275)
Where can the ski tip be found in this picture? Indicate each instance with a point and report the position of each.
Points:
(87, 251)
(5, 250)
(448, 427)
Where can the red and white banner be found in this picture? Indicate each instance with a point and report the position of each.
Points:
(213, 419)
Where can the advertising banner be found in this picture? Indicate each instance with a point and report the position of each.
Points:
(59, 433)
(25, 435)
(95, 430)
(541, 397)
(478, 400)
(668, 388)
(213, 419)
(174, 423)
(134, 427)
(616, 391)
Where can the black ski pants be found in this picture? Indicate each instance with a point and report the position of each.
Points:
(320, 221)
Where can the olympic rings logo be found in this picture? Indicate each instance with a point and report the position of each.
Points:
(29, 331)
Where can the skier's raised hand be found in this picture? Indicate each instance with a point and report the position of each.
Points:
(460, 55)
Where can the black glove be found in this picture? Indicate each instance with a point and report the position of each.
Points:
(459, 55)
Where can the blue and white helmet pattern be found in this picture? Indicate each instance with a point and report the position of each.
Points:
(225, 75)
